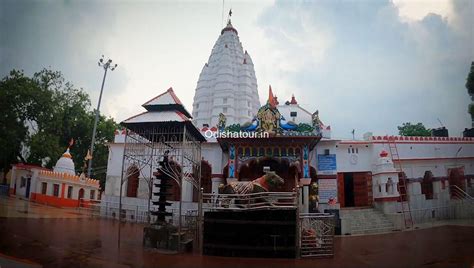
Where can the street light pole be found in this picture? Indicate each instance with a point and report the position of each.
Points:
(106, 65)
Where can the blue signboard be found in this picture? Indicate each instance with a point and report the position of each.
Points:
(327, 163)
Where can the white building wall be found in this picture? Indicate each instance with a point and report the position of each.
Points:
(17, 175)
(212, 152)
(355, 157)
(302, 115)
(436, 157)
(416, 157)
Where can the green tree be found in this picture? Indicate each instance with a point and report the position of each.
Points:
(22, 102)
(470, 80)
(63, 113)
(470, 90)
(409, 129)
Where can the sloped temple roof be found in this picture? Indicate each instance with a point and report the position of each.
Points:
(164, 109)
(166, 101)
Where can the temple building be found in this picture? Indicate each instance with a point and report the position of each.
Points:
(60, 187)
(244, 140)
(227, 83)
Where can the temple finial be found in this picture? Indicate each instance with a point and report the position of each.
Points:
(228, 17)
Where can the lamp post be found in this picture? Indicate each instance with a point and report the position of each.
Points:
(106, 65)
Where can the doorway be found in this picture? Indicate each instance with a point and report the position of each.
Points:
(349, 190)
(354, 189)
(28, 186)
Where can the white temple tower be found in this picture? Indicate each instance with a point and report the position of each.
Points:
(227, 83)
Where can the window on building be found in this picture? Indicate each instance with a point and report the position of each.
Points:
(326, 151)
(357, 150)
(348, 150)
(69, 192)
(56, 190)
(352, 150)
(22, 182)
(197, 106)
(427, 185)
(224, 110)
(44, 187)
(224, 100)
(293, 114)
(92, 194)
(389, 187)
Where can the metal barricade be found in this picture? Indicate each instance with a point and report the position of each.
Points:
(316, 235)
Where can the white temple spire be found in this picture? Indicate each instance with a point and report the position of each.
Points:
(227, 83)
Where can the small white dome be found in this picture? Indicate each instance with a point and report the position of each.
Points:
(65, 164)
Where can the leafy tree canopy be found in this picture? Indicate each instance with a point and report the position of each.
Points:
(43, 113)
(409, 129)
(470, 80)
(470, 90)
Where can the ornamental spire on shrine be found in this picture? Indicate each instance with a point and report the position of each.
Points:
(271, 98)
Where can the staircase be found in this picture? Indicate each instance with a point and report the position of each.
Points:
(465, 201)
(366, 221)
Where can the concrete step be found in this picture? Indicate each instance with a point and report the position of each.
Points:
(364, 226)
(372, 231)
(366, 221)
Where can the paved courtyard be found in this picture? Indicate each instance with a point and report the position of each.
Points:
(66, 238)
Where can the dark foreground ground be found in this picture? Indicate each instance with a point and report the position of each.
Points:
(92, 242)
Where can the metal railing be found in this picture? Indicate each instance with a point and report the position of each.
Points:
(458, 193)
(316, 235)
(135, 213)
(433, 214)
(253, 201)
(107, 209)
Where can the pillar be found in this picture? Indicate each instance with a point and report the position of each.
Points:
(304, 194)
(186, 191)
(305, 199)
(383, 189)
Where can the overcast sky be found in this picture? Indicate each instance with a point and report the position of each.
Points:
(366, 65)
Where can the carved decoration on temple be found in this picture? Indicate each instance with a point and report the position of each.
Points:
(317, 124)
(269, 118)
(222, 122)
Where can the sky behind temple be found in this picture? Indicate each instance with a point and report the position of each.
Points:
(366, 65)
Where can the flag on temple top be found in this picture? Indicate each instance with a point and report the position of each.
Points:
(271, 98)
